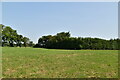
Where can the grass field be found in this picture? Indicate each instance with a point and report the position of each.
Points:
(51, 63)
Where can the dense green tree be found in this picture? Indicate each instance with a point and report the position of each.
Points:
(8, 35)
(31, 44)
(11, 38)
(25, 41)
(64, 41)
(19, 39)
(61, 40)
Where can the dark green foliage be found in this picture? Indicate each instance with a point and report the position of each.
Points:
(11, 38)
(31, 44)
(64, 41)
(61, 40)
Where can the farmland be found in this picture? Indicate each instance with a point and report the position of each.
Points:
(52, 63)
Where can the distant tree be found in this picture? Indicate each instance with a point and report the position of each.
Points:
(26, 41)
(64, 41)
(61, 40)
(11, 38)
(8, 35)
(19, 40)
(31, 44)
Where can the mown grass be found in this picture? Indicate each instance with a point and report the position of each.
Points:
(51, 63)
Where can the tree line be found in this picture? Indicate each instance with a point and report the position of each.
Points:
(11, 38)
(63, 40)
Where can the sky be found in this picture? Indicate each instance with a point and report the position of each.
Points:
(82, 19)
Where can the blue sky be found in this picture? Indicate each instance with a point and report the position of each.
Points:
(82, 19)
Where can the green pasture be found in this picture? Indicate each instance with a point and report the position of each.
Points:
(51, 63)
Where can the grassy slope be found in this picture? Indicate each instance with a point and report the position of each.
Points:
(50, 63)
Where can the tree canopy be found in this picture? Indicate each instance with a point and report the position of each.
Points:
(11, 38)
(63, 40)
